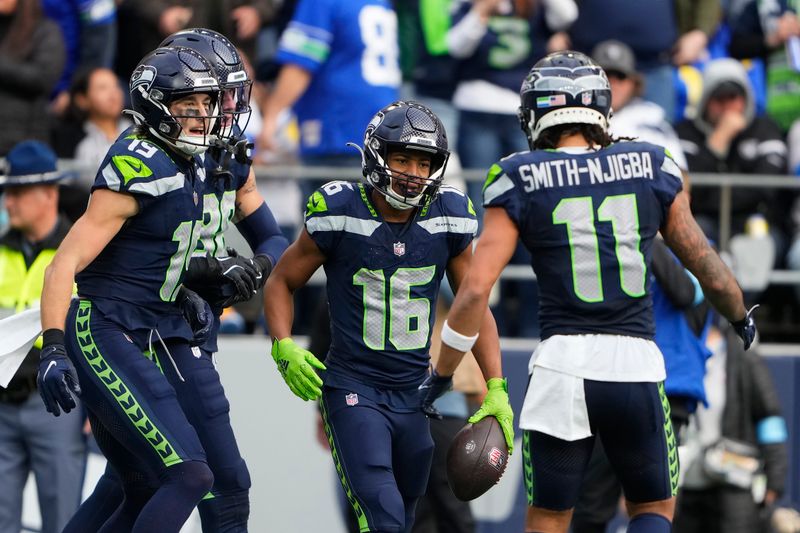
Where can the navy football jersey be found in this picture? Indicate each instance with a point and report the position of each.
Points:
(135, 279)
(589, 220)
(383, 280)
(219, 206)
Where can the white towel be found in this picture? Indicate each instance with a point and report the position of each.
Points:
(555, 404)
(18, 333)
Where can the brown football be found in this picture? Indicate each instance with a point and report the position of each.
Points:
(476, 459)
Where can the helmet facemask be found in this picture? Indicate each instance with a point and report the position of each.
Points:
(401, 190)
(235, 106)
(404, 127)
(175, 94)
(186, 126)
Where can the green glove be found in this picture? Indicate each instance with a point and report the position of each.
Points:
(496, 404)
(295, 365)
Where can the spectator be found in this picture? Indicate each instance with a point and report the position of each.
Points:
(727, 137)
(96, 108)
(633, 116)
(427, 63)
(89, 28)
(31, 440)
(497, 41)
(743, 418)
(31, 59)
(147, 22)
(649, 28)
(697, 22)
(764, 30)
(334, 79)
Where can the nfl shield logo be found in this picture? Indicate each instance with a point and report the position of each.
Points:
(586, 98)
(351, 399)
(399, 248)
(496, 458)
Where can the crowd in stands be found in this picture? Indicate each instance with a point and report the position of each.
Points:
(716, 81)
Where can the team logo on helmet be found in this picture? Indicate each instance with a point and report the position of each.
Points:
(143, 76)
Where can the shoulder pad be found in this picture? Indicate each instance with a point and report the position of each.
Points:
(333, 198)
(454, 202)
(132, 162)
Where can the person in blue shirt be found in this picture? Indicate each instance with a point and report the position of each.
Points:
(385, 246)
(588, 209)
(89, 29)
(129, 255)
(340, 65)
(221, 279)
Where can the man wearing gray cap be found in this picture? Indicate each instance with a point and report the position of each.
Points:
(632, 115)
(54, 449)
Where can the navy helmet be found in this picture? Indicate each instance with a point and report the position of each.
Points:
(564, 88)
(163, 76)
(404, 126)
(228, 65)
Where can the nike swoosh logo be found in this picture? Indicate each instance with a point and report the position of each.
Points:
(136, 168)
(51, 365)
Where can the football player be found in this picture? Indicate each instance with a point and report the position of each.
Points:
(128, 254)
(385, 246)
(588, 208)
(221, 279)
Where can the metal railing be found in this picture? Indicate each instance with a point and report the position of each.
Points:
(725, 182)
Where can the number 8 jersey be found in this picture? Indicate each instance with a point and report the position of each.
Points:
(135, 279)
(589, 218)
(383, 280)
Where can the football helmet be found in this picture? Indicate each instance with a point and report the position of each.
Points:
(228, 65)
(564, 88)
(404, 126)
(168, 74)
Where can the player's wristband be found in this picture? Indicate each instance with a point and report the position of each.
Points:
(52, 336)
(456, 340)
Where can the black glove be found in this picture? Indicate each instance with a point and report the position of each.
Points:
(56, 376)
(430, 389)
(235, 271)
(198, 314)
(264, 267)
(746, 328)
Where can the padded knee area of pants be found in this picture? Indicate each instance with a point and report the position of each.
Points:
(386, 512)
(233, 479)
(194, 477)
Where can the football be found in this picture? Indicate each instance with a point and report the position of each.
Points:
(476, 459)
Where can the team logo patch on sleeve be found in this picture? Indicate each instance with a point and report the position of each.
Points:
(351, 399)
